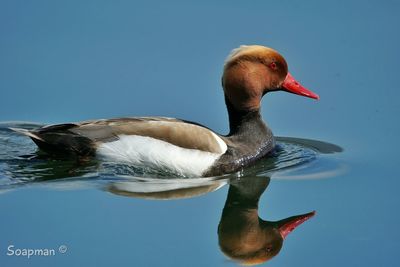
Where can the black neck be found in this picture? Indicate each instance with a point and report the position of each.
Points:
(247, 192)
(238, 119)
(249, 139)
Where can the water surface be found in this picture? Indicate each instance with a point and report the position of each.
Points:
(23, 166)
(81, 60)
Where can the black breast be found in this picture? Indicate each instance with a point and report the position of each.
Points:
(248, 141)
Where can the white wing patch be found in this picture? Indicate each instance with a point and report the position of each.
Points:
(220, 142)
(146, 151)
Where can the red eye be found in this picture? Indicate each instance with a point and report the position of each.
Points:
(273, 66)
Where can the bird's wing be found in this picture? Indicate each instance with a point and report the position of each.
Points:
(83, 137)
(177, 132)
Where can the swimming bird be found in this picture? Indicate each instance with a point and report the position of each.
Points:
(183, 147)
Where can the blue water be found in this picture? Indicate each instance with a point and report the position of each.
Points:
(74, 61)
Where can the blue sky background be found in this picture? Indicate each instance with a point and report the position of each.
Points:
(64, 61)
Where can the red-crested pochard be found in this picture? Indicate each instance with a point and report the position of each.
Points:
(244, 236)
(180, 146)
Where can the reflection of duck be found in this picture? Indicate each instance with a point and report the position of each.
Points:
(165, 189)
(39, 167)
(185, 147)
(243, 235)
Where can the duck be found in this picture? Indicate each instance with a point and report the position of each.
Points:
(243, 236)
(183, 147)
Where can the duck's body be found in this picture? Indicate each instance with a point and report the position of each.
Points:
(183, 147)
(178, 146)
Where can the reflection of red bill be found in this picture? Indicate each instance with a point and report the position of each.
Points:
(288, 225)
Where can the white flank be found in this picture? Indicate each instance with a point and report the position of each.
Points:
(146, 151)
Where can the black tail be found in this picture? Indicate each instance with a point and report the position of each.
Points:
(59, 139)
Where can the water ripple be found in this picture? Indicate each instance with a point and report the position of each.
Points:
(21, 164)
